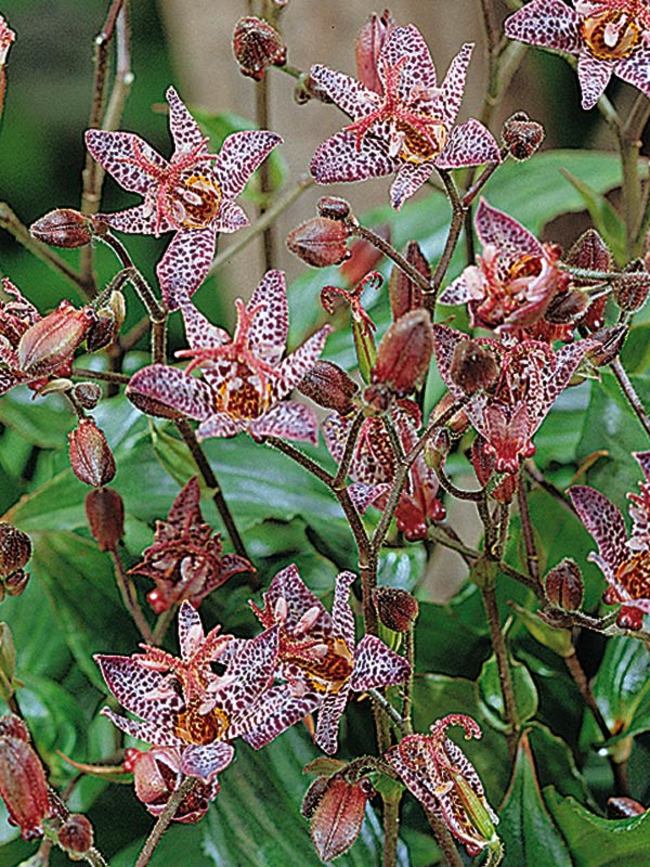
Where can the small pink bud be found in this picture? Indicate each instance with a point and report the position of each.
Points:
(23, 786)
(105, 515)
(397, 609)
(156, 774)
(404, 354)
(333, 208)
(336, 821)
(257, 45)
(15, 549)
(405, 295)
(51, 342)
(91, 458)
(522, 136)
(320, 242)
(564, 586)
(473, 367)
(329, 386)
(567, 307)
(87, 394)
(63, 227)
(76, 836)
(631, 291)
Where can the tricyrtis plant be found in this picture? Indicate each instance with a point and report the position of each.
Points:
(370, 506)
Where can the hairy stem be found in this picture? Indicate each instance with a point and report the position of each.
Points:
(163, 821)
(630, 393)
(503, 666)
(532, 556)
(264, 122)
(448, 850)
(458, 210)
(391, 829)
(129, 597)
(391, 253)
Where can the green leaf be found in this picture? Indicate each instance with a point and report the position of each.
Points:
(605, 219)
(37, 421)
(448, 642)
(557, 640)
(526, 828)
(597, 842)
(622, 686)
(523, 686)
(556, 765)
(7, 662)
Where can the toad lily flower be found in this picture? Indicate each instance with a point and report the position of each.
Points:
(186, 560)
(408, 127)
(318, 653)
(192, 194)
(623, 560)
(442, 778)
(608, 36)
(508, 413)
(514, 281)
(245, 379)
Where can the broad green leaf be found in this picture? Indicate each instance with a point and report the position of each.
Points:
(447, 644)
(36, 420)
(556, 765)
(622, 686)
(524, 689)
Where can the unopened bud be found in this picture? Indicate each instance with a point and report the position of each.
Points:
(87, 394)
(336, 822)
(522, 136)
(364, 258)
(631, 291)
(473, 367)
(329, 386)
(406, 295)
(12, 726)
(257, 45)
(370, 41)
(63, 227)
(76, 836)
(590, 253)
(397, 609)
(564, 586)
(608, 343)
(458, 423)
(105, 514)
(333, 208)
(91, 458)
(15, 549)
(404, 354)
(313, 796)
(320, 242)
(103, 331)
(23, 786)
(52, 341)
(16, 583)
(567, 307)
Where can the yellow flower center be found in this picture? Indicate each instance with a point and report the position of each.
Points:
(330, 672)
(611, 35)
(243, 396)
(634, 575)
(198, 728)
(419, 148)
(197, 201)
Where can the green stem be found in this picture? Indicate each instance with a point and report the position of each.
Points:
(503, 667)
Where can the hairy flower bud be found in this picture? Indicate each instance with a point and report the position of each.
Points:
(76, 836)
(105, 515)
(103, 331)
(406, 295)
(320, 242)
(329, 386)
(473, 367)
(157, 774)
(313, 796)
(15, 549)
(23, 786)
(589, 252)
(63, 227)
(51, 341)
(522, 136)
(397, 609)
(567, 307)
(91, 458)
(404, 354)
(87, 394)
(370, 41)
(631, 291)
(333, 208)
(564, 586)
(336, 820)
(257, 45)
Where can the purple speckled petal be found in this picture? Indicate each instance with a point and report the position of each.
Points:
(635, 69)
(349, 94)
(184, 129)
(249, 673)
(329, 717)
(270, 328)
(191, 634)
(406, 46)
(205, 762)
(116, 152)
(144, 731)
(337, 160)
(287, 420)
(241, 154)
(139, 220)
(185, 265)
(288, 585)
(143, 691)
(605, 523)
(469, 144)
(296, 366)
(230, 218)
(409, 179)
(375, 665)
(276, 711)
(220, 425)
(467, 287)
(452, 89)
(164, 391)
(342, 616)
(201, 333)
(547, 23)
(594, 76)
(504, 232)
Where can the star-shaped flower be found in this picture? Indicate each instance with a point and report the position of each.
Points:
(186, 560)
(623, 559)
(508, 414)
(192, 194)
(317, 652)
(437, 772)
(244, 378)
(608, 36)
(373, 467)
(514, 280)
(408, 128)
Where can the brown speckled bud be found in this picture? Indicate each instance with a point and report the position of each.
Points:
(12, 726)
(313, 796)
(16, 583)
(589, 252)
(473, 367)
(333, 208)
(320, 242)
(631, 291)
(23, 786)
(76, 836)
(105, 514)
(52, 341)
(91, 458)
(336, 821)
(567, 307)
(404, 354)
(406, 295)
(329, 386)
(63, 227)
(15, 549)
(397, 609)
(103, 331)
(564, 586)
(256, 46)
(87, 394)
(522, 136)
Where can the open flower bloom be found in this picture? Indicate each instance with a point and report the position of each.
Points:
(408, 127)
(623, 560)
(35, 347)
(244, 378)
(186, 560)
(608, 36)
(514, 280)
(508, 414)
(373, 467)
(318, 653)
(192, 194)
(437, 772)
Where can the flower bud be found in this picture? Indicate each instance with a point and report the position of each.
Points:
(313, 796)
(608, 344)
(23, 786)
(564, 586)
(105, 515)
(63, 227)
(404, 354)
(364, 258)
(333, 208)
(157, 774)
(522, 136)
(91, 458)
(257, 45)
(103, 331)
(567, 307)
(12, 726)
(458, 423)
(76, 836)
(370, 41)
(329, 386)
(15, 549)
(16, 583)
(52, 341)
(397, 609)
(336, 821)
(320, 242)
(406, 295)
(589, 252)
(631, 291)
(624, 808)
(87, 394)
(473, 367)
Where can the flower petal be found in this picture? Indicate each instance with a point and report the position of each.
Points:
(139, 220)
(555, 378)
(418, 72)
(469, 144)
(605, 523)
(467, 287)
(205, 762)
(219, 425)
(185, 264)
(410, 178)
(201, 333)
(249, 673)
(270, 328)
(547, 23)
(184, 129)
(141, 690)
(347, 93)
(287, 420)
(635, 69)
(288, 585)
(190, 630)
(276, 711)
(329, 717)
(504, 232)
(296, 366)
(452, 89)
(594, 76)
(151, 733)
(116, 152)
(240, 156)
(342, 616)
(167, 392)
(375, 665)
(338, 160)
(230, 218)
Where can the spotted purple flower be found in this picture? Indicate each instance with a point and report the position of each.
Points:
(514, 281)
(624, 560)
(244, 380)
(608, 36)
(508, 414)
(192, 194)
(409, 127)
(317, 652)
